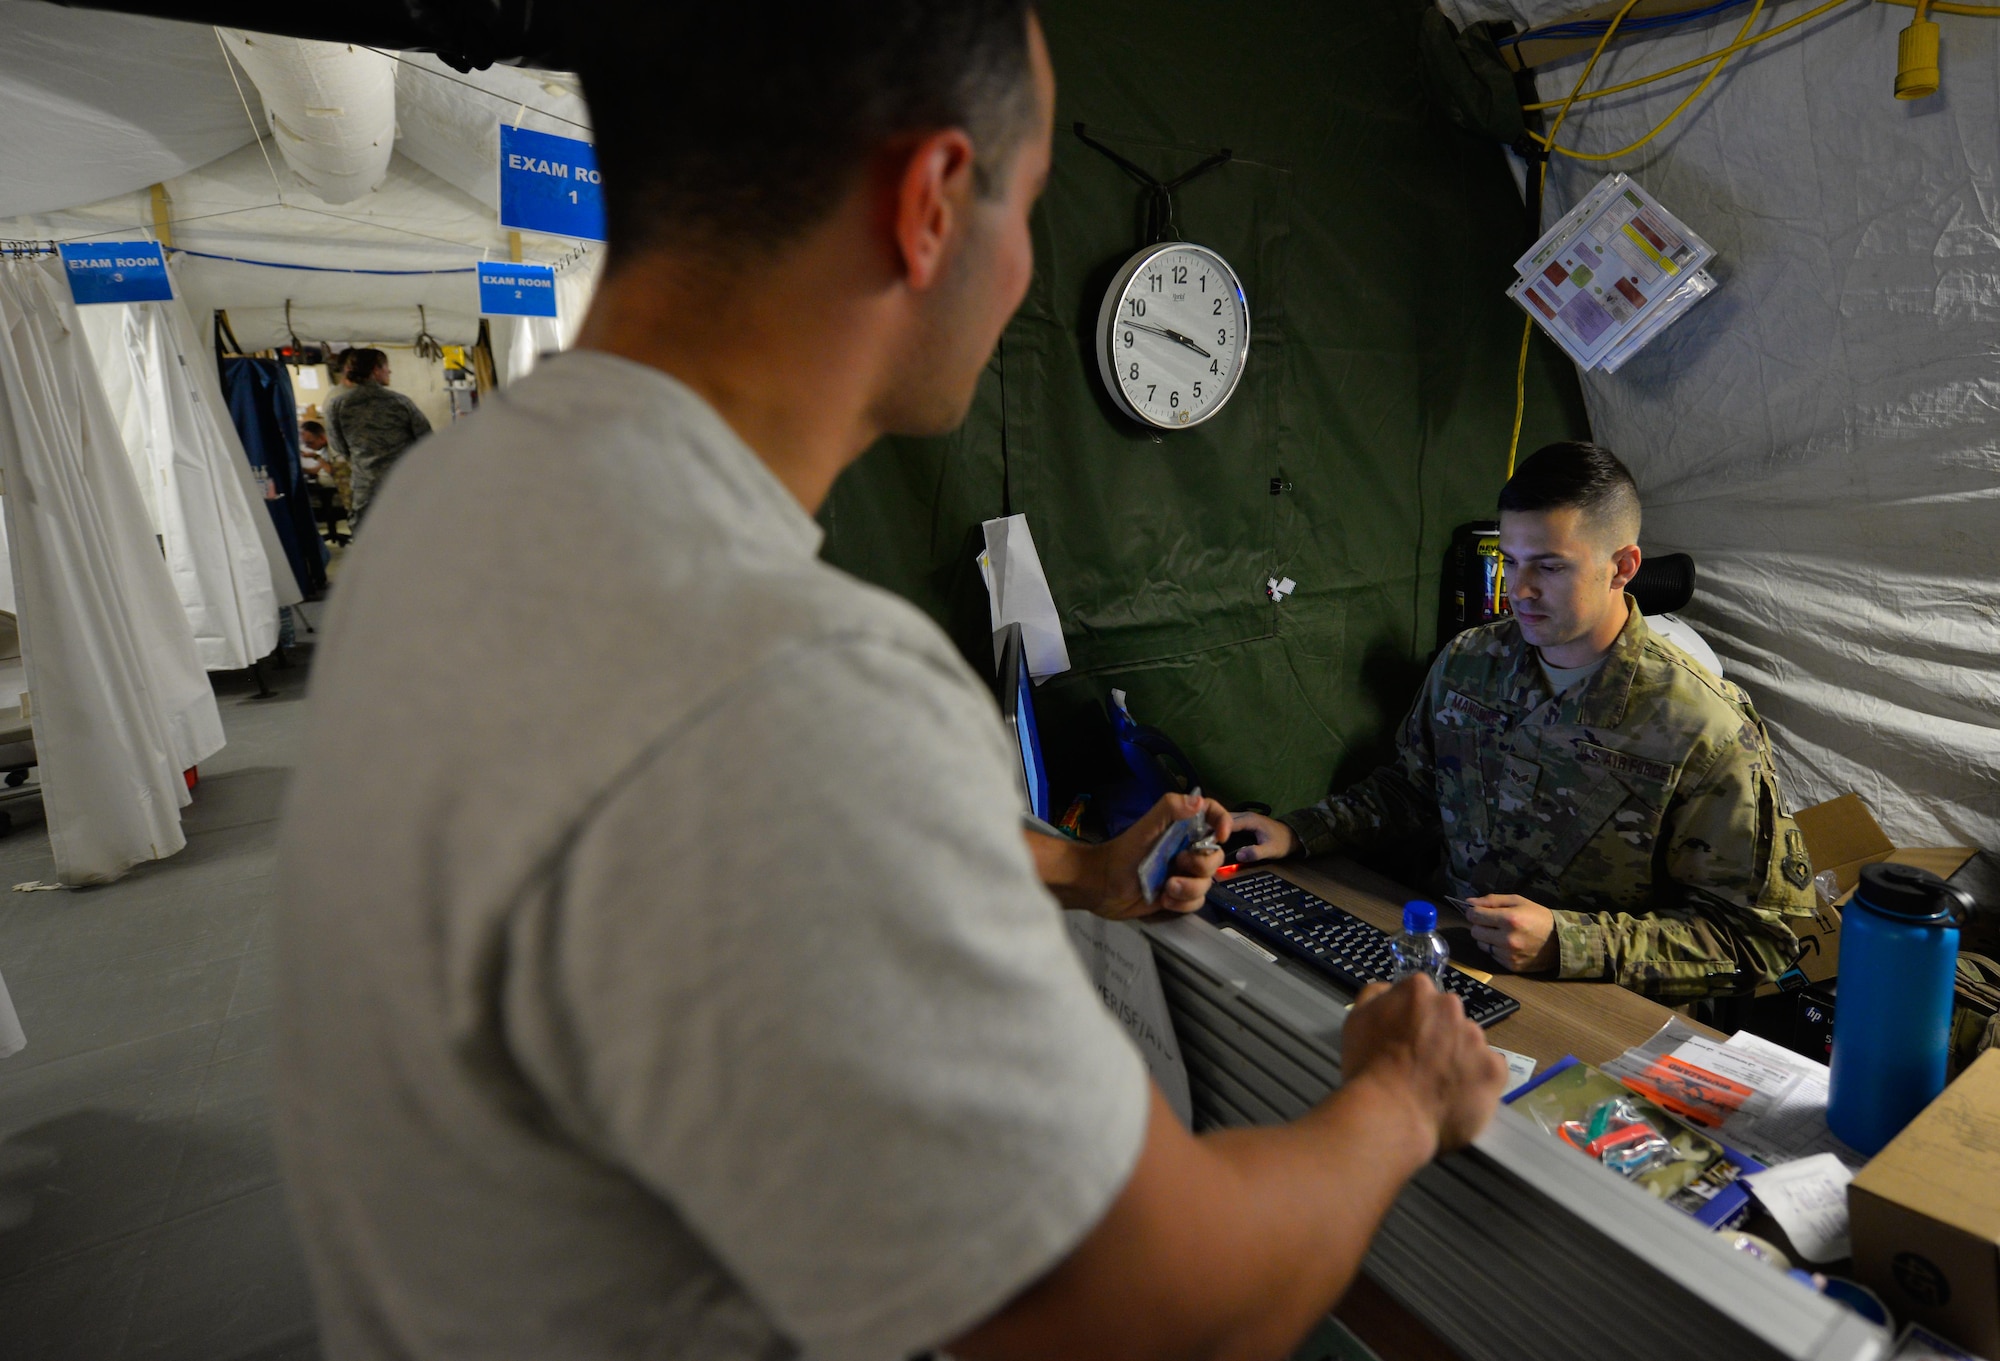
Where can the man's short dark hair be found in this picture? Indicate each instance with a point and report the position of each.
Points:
(361, 364)
(736, 126)
(1586, 476)
(313, 428)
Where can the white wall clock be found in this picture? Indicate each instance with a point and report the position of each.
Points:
(1172, 335)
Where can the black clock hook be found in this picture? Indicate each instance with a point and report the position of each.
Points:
(1162, 221)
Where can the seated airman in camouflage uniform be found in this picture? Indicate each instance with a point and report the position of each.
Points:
(1609, 807)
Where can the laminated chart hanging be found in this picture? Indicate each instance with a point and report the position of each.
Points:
(116, 271)
(516, 290)
(550, 184)
(1612, 274)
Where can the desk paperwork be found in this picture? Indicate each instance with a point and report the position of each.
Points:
(1783, 1118)
(1808, 1198)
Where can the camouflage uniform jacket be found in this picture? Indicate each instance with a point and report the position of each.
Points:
(1642, 806)
(372, 425)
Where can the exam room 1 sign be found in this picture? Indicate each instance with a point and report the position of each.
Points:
(117, 271)
(517, 291)
(550, 184)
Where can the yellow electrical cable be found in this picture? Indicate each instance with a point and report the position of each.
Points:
(1541, 187)
(1520, 394)
(1735, 47)
(1667, 122)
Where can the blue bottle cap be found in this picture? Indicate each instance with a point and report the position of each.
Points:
(1419, 915)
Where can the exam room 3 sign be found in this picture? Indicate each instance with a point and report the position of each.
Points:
(550, 184)
(517, 291)
(116, 271)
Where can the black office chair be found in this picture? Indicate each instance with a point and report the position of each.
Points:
(1664, 584)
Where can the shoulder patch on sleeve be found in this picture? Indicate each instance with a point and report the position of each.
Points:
(1797, 865)
(1623, 763)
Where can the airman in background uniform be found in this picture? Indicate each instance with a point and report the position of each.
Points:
(1642, 805)
(371, 425)
(1607, 808)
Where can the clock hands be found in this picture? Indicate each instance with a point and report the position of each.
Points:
(1174, 336)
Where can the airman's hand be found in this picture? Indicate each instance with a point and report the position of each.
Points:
(1520, 934)
(1274, 841)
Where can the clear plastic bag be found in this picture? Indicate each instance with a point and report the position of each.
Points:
(1618, 1136)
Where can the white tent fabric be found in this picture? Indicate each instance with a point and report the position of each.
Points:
(1820, 432)
(332, 109)
(99, 105)
(233, 197)
(201, 510)
(121, 704)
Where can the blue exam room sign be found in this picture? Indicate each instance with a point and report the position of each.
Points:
(117, 271)
(550, 184)
(517, 291)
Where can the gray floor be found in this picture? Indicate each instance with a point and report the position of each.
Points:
(140, 1211)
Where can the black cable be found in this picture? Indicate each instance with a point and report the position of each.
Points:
(1162, 222)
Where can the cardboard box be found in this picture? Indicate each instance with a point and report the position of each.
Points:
(1843, 836)
(1925, 1214)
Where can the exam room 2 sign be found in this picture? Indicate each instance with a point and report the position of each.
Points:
(550, 184)
(517, 291)
(117, 271)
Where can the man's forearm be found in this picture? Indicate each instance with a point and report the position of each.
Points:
(1071, 870)
(1670, 955)
(1312, 1196)
(1243, 1240)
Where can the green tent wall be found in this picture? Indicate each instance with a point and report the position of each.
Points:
(1374, 242)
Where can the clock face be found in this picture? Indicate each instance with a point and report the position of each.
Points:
(1172, 335)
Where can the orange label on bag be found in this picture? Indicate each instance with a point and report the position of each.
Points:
(1690, 1092)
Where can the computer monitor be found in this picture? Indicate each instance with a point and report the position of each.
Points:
(1016, 691)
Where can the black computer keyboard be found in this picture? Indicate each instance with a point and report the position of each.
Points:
(1342, 946)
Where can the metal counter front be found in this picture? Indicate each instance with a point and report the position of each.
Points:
(1515, 1248)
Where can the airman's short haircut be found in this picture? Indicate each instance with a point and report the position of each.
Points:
(1587, 476)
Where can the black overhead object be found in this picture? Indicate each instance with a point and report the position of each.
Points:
(1664, 584)
(465, 34)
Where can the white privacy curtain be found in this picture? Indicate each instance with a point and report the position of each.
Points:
(519, 343)
(198, 502)
(121, 704)
(208, 382)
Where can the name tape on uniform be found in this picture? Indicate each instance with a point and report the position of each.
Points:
(517, 291)
(117, 271)
(550, 184)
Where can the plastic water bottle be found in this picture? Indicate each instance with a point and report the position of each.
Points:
(1420, 949)
(1892, 1011)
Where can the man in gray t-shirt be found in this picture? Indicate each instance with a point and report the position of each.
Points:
(664, 969)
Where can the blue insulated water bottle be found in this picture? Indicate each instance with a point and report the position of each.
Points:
(1892, 1012)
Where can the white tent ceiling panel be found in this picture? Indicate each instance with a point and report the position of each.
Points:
(451, 122)
(1819, 434)
(414, 222)
(101, 104)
